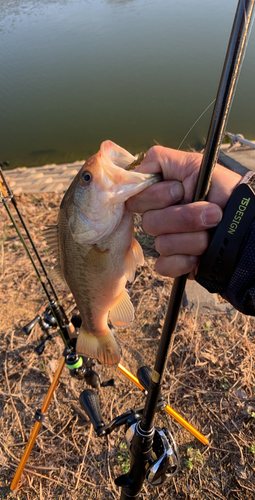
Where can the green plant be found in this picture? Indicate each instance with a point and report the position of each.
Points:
(251, 413)
(124, 458)
(224, 384)
(252, 449)
(15, 247)
(42, 366)
(194, 457)
(208, 326)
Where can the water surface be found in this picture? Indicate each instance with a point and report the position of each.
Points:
(138, 72)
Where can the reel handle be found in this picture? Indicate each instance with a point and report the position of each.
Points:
(40, 348)
(27, 329)
(90, 403)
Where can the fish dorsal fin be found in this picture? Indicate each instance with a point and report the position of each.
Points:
(138, 252)
(57, 274)
(51, 238)
(122, 312)
(130, 265)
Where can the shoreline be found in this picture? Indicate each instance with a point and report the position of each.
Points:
(57, 177)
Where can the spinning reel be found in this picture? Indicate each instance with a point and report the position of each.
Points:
(80, 367)
(47, 323)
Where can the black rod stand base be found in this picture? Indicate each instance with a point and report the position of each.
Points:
(141, 448)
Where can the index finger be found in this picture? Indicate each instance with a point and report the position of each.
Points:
(172, 163)
(157, 196)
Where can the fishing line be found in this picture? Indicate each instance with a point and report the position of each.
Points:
(195, 123)
(248, 28)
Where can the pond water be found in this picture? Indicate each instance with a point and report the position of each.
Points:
(138, 72)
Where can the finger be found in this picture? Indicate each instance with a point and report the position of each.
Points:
(184, 166)
(182, 218)
(157, 196)
(176, 265)
(172, 163)
(186, 243)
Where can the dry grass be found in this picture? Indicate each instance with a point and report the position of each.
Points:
(209, 380)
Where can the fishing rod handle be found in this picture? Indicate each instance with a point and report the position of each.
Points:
(27, 329)
(90, 404)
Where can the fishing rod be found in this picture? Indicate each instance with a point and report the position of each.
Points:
(55, 314)
(10, 197)
(143, 438)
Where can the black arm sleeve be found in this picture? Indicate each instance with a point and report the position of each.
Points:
(228, 266)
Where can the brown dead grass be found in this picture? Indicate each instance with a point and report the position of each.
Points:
(209, 379)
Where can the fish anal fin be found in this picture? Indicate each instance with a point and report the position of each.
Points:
(129, 265)
(122, 312)
(56, 273)
(138, 252)
(105, 348)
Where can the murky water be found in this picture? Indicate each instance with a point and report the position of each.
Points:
(138, 72)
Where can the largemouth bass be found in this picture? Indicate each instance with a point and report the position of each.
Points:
(95, 247)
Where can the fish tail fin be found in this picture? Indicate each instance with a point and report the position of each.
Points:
(105, 348)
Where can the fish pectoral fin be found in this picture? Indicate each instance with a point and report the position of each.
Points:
(130, 265)
(138, 252)
(105, 348)
(56, 273)
(97, 260)
(122, 312)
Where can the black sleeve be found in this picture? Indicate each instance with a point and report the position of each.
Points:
(228, 266)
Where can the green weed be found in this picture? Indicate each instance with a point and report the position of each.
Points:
(123, 458)
(252, 449)
(194, 457)
(251, 413)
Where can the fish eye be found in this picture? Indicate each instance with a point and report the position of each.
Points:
(86, 176)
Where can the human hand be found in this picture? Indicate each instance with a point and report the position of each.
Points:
(179, 225)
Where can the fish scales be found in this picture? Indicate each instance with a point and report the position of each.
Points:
(96, 249)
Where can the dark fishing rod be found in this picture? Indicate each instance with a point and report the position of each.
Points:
(141, 447)
(65, 327)
(11, 197)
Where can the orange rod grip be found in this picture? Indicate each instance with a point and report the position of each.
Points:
(25, 455)
(186, 425)
(2, 189)
(37, 425)
(168, 408)
(130, 376)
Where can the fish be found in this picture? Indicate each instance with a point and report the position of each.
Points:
(93, 242)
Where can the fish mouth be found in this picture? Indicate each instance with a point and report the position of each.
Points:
(126, 183)
(134, 186)
(116, 155)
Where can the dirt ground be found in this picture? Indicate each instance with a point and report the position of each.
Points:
(209, 380)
